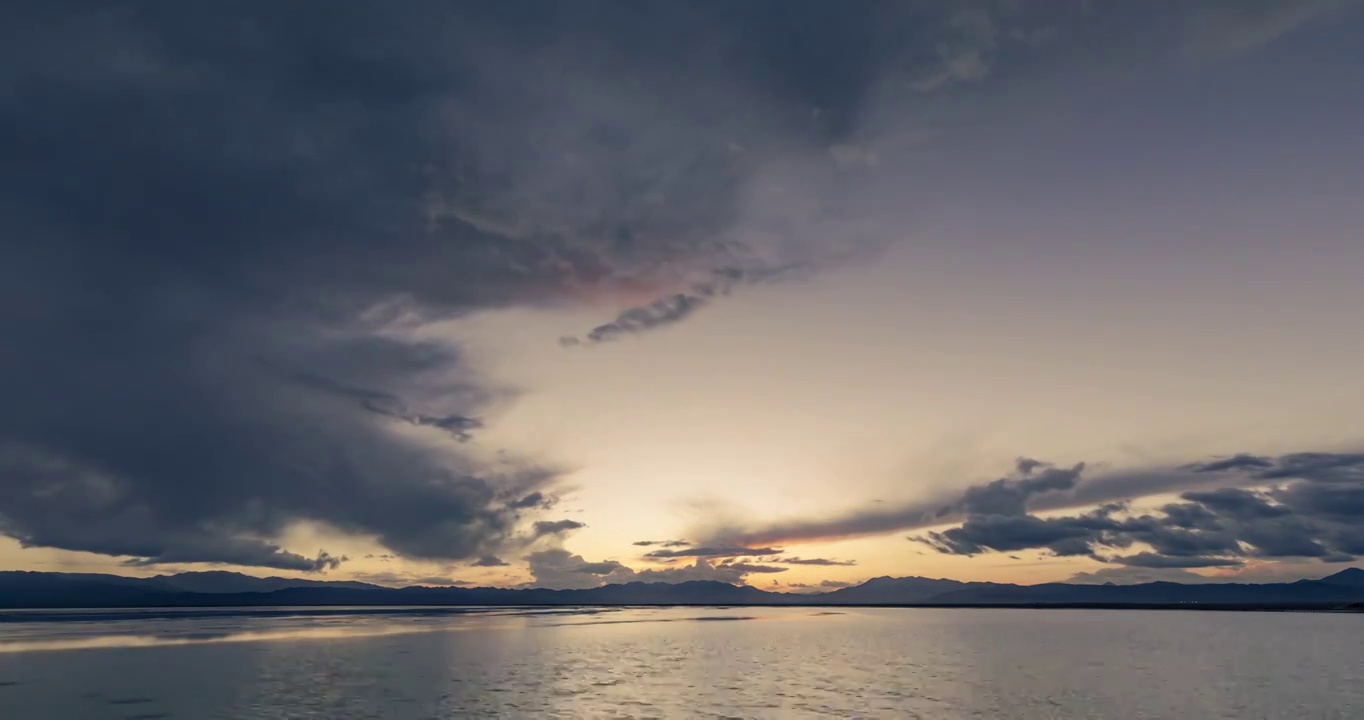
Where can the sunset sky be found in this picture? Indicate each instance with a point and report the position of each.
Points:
(787, 293)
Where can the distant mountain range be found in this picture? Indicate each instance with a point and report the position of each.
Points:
(227, 589)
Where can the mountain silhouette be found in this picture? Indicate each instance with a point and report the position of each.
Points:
(20, 589)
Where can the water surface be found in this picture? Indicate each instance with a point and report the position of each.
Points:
(681, 662)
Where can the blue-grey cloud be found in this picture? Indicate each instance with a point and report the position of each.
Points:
(1225, 27)
(1043, 487)
(541, 528)
(665, 311)
(1302, 505)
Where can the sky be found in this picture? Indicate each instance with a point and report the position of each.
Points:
(791, 294)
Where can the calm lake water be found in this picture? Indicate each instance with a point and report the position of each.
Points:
(686, 662)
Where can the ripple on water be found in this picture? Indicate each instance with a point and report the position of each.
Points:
(865, 663)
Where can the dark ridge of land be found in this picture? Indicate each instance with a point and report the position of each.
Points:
(28, 616)
(1340, 592)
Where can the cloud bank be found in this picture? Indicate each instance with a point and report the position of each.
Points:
(1039, 486)
(225, 227)
(1303, 505)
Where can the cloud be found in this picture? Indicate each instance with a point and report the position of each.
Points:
(1153, 560)
(965, 51)
(1304, 505)
(490, 561)
(1044, 487)
(235, 225)
(1136, 576)
(812, 561)
(1062, 536)
(238, 551)
(1009, 496)
(659, 313)
(743, 568)
(661, 543)
(542, 528)
(1029, 480)
(1239, 26)
(1241, 461)
(834, 584)
(729, 551)
(734, 573)
(536, 499)
(560, 569)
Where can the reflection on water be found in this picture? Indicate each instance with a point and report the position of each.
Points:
(681, 662)
(125, 632)
(131, 641)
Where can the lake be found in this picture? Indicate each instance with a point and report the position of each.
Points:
(682, 662)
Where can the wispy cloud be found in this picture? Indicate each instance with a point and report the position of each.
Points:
(1228, 28)
(812, 561)
(724, 551)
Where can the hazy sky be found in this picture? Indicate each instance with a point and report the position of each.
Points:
(791, 293)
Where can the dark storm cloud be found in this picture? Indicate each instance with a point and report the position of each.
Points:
(222, 226)
(713, 552)
(490, 561)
